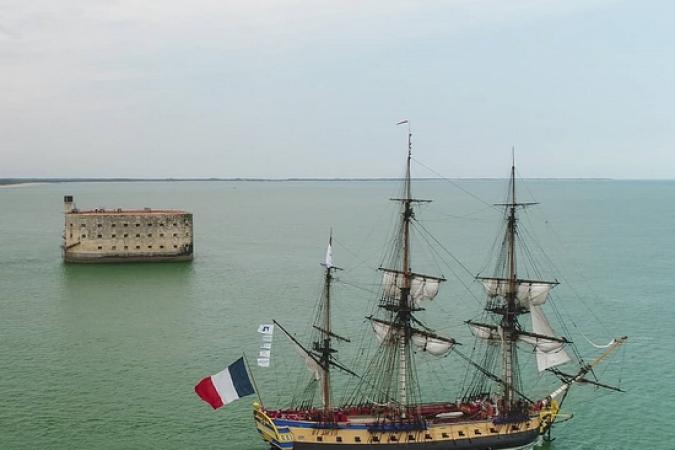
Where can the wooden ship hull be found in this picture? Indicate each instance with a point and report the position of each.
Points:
(485, 434)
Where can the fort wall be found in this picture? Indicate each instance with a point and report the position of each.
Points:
(126, 235)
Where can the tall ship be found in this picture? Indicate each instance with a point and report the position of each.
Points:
(383, 404)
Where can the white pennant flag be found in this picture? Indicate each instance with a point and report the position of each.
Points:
(329, 254)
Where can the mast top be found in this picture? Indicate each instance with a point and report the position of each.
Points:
(406, 121)
(513, 203)
(328, 259)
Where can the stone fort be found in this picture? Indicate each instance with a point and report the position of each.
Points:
(102, 235)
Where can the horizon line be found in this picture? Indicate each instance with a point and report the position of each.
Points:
(24, 180)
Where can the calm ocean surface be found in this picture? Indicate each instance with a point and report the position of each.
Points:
(106, 356)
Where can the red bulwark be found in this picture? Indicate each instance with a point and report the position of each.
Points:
(207, 391)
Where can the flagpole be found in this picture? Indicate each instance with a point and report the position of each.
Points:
(255, 385)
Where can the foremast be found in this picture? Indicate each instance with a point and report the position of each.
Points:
(509, 297)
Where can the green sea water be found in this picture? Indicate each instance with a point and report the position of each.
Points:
(106, 356)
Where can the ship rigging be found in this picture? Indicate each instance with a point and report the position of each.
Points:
(384, 406)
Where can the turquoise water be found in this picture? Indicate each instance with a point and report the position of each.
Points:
(106, 356)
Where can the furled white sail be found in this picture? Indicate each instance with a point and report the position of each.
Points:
(549, 353)
(433, 346)
(421, 287)
(528, 293)
(486, 333)
(422, 342)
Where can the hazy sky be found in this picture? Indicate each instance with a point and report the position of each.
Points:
(201, 88)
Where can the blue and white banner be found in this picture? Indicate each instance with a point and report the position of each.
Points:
(267, 333)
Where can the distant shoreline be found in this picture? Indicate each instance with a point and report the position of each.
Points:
(4, 185)
(6, 182)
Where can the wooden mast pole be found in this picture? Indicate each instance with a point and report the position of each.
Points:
(327, 336)
(508, 320)
(255, 385)
(589, 367)
(404, 309)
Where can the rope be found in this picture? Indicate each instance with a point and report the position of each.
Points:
(596, 345)
(474, 196)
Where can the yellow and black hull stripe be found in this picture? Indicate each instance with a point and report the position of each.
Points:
(286, 434)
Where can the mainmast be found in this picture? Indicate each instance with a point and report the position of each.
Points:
(404, 302)
(391, 371)
(509, 319)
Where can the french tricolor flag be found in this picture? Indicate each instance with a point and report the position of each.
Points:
(227, 386)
